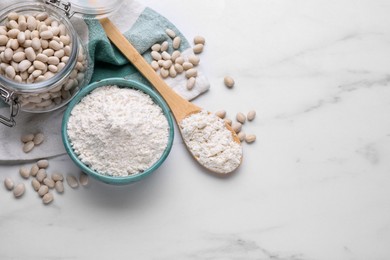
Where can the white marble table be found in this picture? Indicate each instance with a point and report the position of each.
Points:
(314, 186)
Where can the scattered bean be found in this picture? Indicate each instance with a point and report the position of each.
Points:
(43, 189)
(72, 181)
(24, 172)
(34, 170)
(187, 65)
(164, 46)
(35, 184)
(241, 135)
(156, 47)
(179, 68)
(237, 127)
(229, 81)
(221, 114)
(57, 177)
(250, 138)
(47, 198)
(155, 65)
(19, 190)
(59, 186)
(240, 117)
(27, 147)
(170, 33)
(199, 40)
(228, 121)
(43, 164)
(164, 73)
(191, 83)
(165, 55)
(198, 48)
(156, 55)
(41, 175)
(49, 182)
(27, 138)
(84, 180)
(251, 115)
(39, 138)
(194, 59)
(191, 73)
(176, 42)
(8, 183)
(172, 72)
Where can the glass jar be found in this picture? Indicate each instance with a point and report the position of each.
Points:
(53, 87)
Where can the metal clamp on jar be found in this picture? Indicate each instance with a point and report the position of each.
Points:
(43, 62)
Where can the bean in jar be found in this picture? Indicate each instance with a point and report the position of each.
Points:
(43, 63)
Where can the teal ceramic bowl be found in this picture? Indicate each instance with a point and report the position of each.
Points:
(120, 82)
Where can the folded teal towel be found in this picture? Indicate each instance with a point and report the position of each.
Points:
(148, 30)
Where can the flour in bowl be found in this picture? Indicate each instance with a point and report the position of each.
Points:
(118, 131)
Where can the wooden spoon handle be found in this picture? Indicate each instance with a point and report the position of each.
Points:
(179, 106)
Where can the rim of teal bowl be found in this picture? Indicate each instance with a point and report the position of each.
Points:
(120, 82)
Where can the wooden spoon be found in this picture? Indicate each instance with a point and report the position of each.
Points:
(180, 107)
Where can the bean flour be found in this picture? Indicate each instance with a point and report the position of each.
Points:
(118, 131)
(211, 142)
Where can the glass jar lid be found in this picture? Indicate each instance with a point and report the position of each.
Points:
(90, 8)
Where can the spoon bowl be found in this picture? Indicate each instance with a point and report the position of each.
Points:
(180, 107)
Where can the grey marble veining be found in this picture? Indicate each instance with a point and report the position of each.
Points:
(314, 186)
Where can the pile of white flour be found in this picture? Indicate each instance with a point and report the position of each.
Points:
(118, 131)
(211, 142)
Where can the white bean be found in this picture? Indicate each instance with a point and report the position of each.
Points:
(3, 40)
(229, 81)
(59, 186)
(19, 190)
(30, 54)
(27, 147)
(179, 68)
(57, 177)
(241, 135)
(41, 175)
(84, 180)
(19, 56)
(221, 114)
(43, 164)
(39, 65)
(170, 33)
(34, 170)
(72, 181)
(251, 115)
(194, 59)
(35, 184)
(47, 198)
(187, 65)
(24, 172)
(49, 183)
(156, 55)
(164, 46)
(198, 48)
(24, 65)
(199, 40)
(8, 183)
(156, 47)
(176, 42)
(191, 73)
(191, 83)
(240, 117)
(43, 189)
(250, 138)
